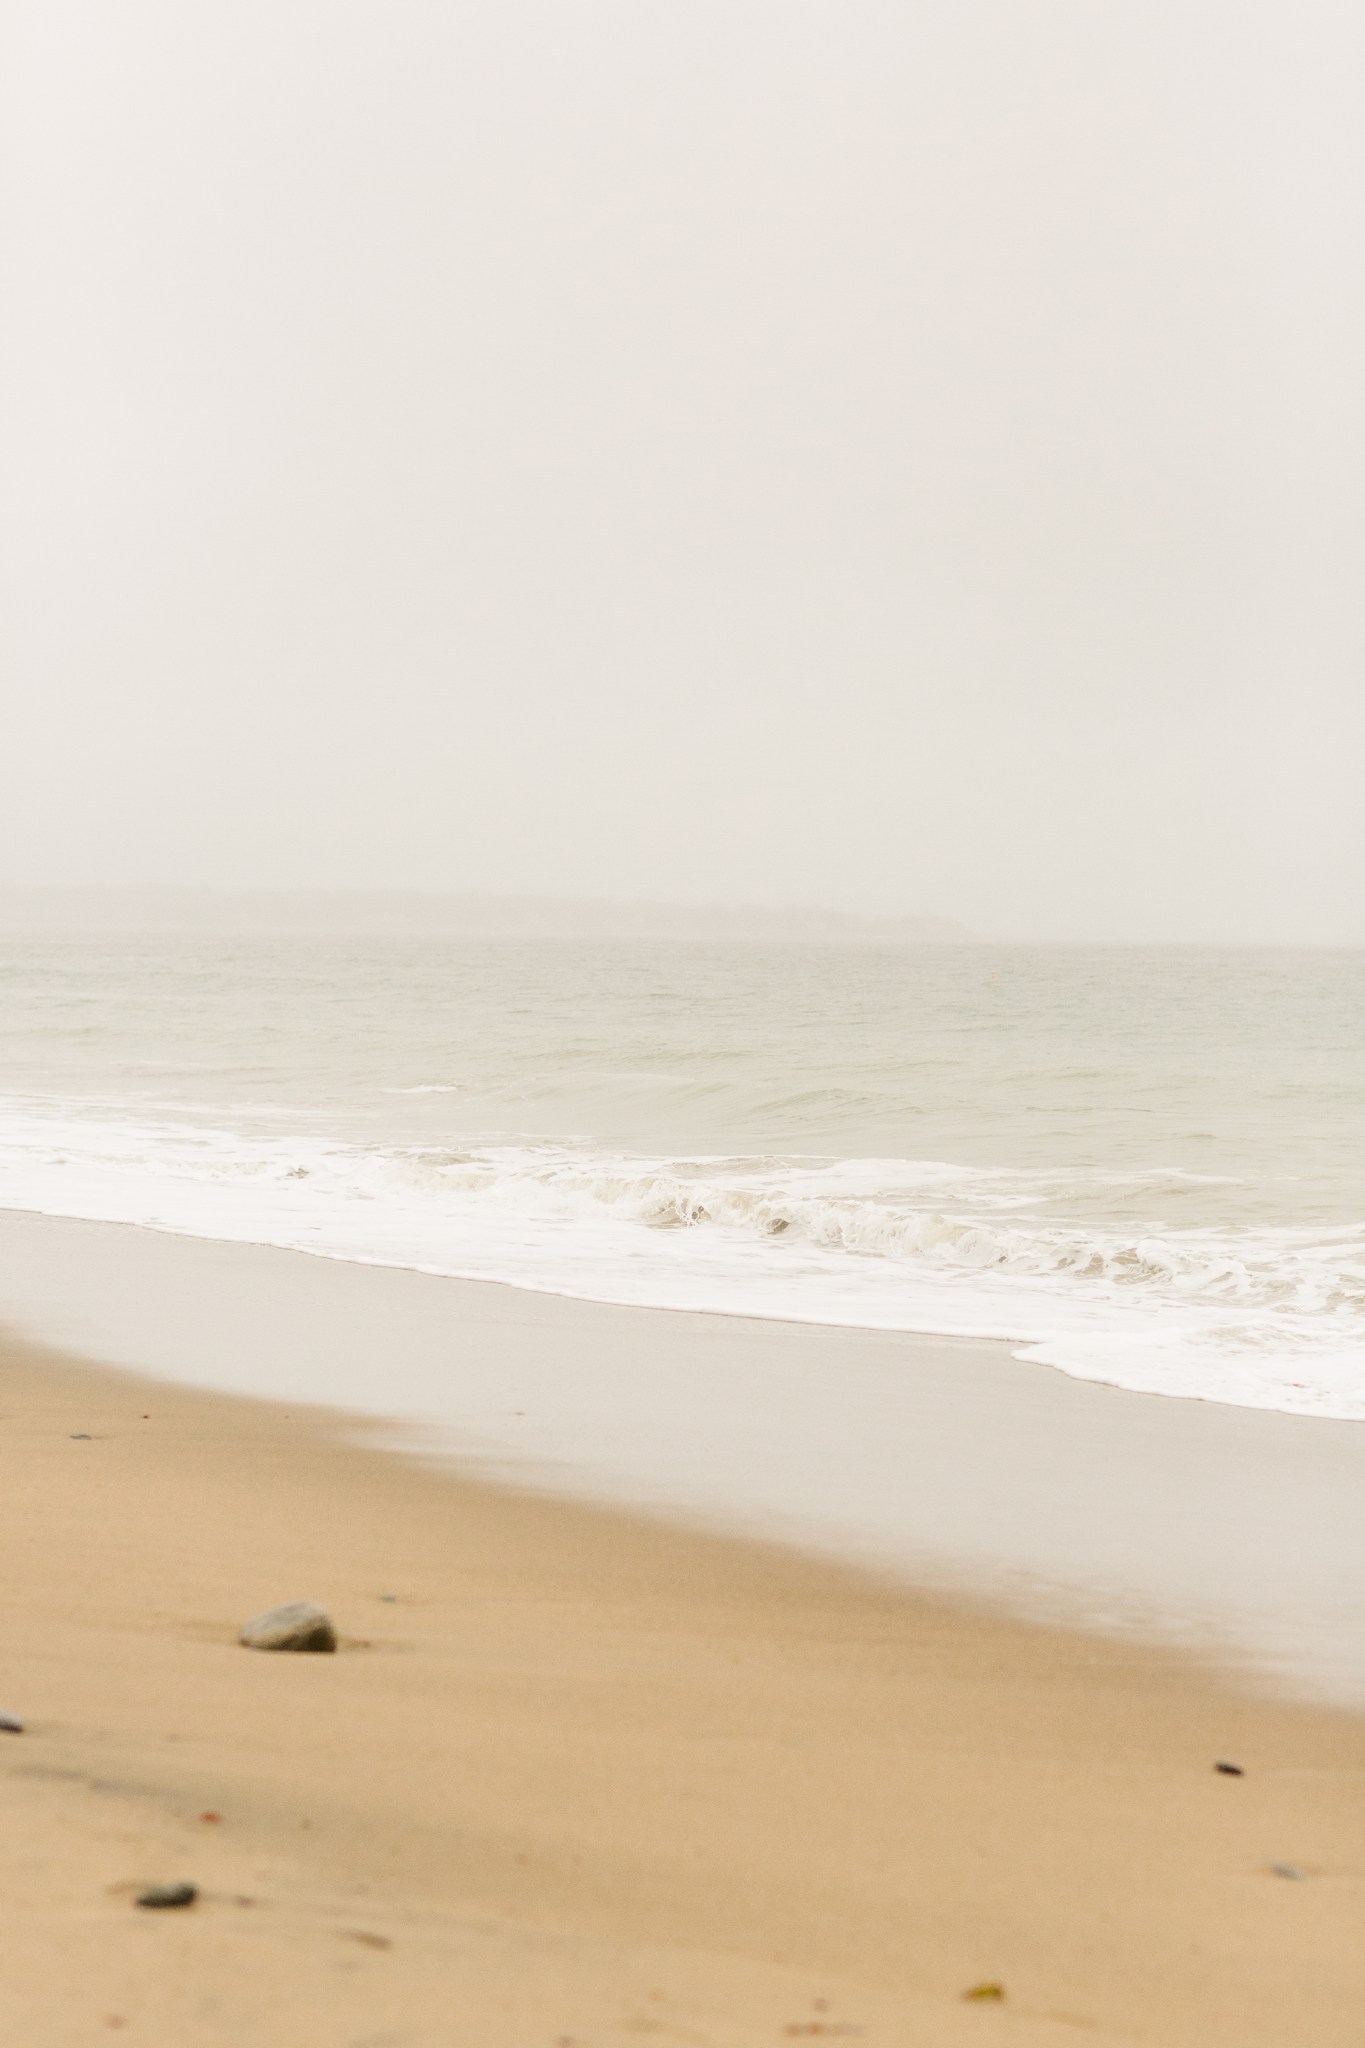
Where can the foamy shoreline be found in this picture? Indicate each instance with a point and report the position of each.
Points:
(949, 1464)
(1265, 1317)
(1140, 1167)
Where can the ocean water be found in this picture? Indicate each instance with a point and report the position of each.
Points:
(1144, 1166)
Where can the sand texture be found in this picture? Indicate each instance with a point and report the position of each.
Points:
(587, 1779)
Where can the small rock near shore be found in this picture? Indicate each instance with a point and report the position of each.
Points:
(161, 1895)
(301, 1625)
(10, 1724)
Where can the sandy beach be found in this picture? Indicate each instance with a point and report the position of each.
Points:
(682, 967)
(581, 1776)
(952, 1465)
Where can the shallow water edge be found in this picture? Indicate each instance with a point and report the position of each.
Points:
(1236, 1532)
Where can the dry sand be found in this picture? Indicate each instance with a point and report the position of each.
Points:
(592, 1779)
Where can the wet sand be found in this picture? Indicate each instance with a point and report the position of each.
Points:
(949, 1463)
(591, 1778)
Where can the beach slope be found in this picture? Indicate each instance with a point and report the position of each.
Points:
(580, 1777)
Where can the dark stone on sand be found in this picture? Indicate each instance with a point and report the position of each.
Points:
(301, 1625)
(1227, 1770)
(1290, 1870)
(81, 1436)
(161, 1895)
(10, 1724)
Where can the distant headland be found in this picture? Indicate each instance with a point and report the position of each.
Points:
(56, 907)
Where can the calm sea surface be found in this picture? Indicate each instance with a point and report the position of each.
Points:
(1142, 1165)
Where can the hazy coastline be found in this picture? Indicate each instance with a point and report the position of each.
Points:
(372, 911)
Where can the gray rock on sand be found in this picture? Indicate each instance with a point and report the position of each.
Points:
(163, 1895)
(302, 1625)
(10, 1724)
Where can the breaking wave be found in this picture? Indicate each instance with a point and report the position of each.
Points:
(1264, 1317)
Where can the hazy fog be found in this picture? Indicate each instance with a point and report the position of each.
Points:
(899, 456)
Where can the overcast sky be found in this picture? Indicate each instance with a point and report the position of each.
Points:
(898, 454)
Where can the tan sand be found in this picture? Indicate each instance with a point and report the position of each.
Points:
(591, 1779)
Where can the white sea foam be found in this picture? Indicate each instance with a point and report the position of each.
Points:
(1254, 1314)
(1141, 1166)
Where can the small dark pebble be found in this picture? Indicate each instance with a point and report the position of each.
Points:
(1287, 1870)
(168, 1895)
(389, 1597)
(11, 1724)
(1229, 1770)
(81, 1436)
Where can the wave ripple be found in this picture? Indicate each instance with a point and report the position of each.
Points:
(1261, 1316)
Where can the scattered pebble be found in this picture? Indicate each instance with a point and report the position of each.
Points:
(365, 1938)
(11, 1724)
(168, 1895)
(211, 1816)
(389, 1597)
(1287, 1870)
(1228, 1770)
(988, 1990)
(300, 1625)
(81, 1436)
